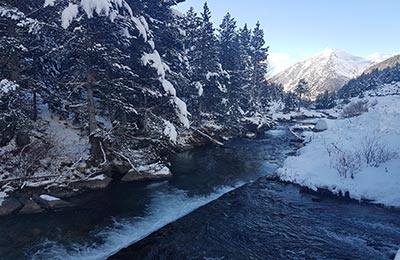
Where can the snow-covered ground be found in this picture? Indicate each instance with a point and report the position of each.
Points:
(341, 149)
(397, 257)
(277, 108)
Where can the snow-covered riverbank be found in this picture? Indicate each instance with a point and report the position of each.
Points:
(348, 157)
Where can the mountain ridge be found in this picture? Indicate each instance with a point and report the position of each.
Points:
(327, 70)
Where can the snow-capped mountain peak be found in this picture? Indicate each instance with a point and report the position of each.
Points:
(327, 70)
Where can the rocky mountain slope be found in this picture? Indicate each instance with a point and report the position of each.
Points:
(328, 71)
(381, 74)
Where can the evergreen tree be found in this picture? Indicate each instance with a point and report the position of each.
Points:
(302, 90)
(325, 101)
(259, 55)
(229, 44)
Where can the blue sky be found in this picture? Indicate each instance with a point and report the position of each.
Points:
(296, 29)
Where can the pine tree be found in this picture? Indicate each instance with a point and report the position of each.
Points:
(229, 44)
(259, 55)
(302, 91)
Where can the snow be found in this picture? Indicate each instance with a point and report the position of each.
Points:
(48, 197)
(170, 131)
(7, 86)
(98, 6)
(68, 15)
(154, 60)
(379, 57)
(328, 70)
(3, 195)
(200, 88)
(168, 87)
(140, 26)
(108, 8)
(68, 141)
(314, 166)
(397, 257)
(182, 112)
(277, 108)
(48, 3)
(156, 169)
(100, 177)
(210, 75)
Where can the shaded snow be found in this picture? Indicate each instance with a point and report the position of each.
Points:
(3, 195)
(68, 141)
(312, 168)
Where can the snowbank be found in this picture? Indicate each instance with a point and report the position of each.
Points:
(316, 166)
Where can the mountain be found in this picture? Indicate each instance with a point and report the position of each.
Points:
(379, 57)
(385, 64)
(383, 73)
(328, 70)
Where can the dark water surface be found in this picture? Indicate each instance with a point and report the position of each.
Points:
(260, 220)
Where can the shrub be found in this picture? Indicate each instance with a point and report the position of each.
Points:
(346, 163)
(355, 109)
(376, 153)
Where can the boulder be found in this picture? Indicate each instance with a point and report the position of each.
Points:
(52, 203)
(10, 206)
(154, 171)
(31, 207)
(96, 183)
(22, 139)
(321, 125)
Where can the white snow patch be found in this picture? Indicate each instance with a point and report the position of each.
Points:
(7, 86)
(397, 257)
(48, 197)
(48, 3)
(100, 177)
(98, 6)
(182, 112)
(154, 60)
(313, 169)
(69, 14)
(210, 75)
(170, 131)
(140, 26)
(68, 141)
(3, 195)
(200, 88)
(155, 169)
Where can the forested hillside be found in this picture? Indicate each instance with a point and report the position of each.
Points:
(88, 85)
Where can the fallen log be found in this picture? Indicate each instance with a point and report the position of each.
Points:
(208, 137)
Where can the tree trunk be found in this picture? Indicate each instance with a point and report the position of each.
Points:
(34, 108)
(96, 150)
(91, 107)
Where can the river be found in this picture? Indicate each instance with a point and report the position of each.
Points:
(218, 205)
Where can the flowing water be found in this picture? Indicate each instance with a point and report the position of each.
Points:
(256, 218)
